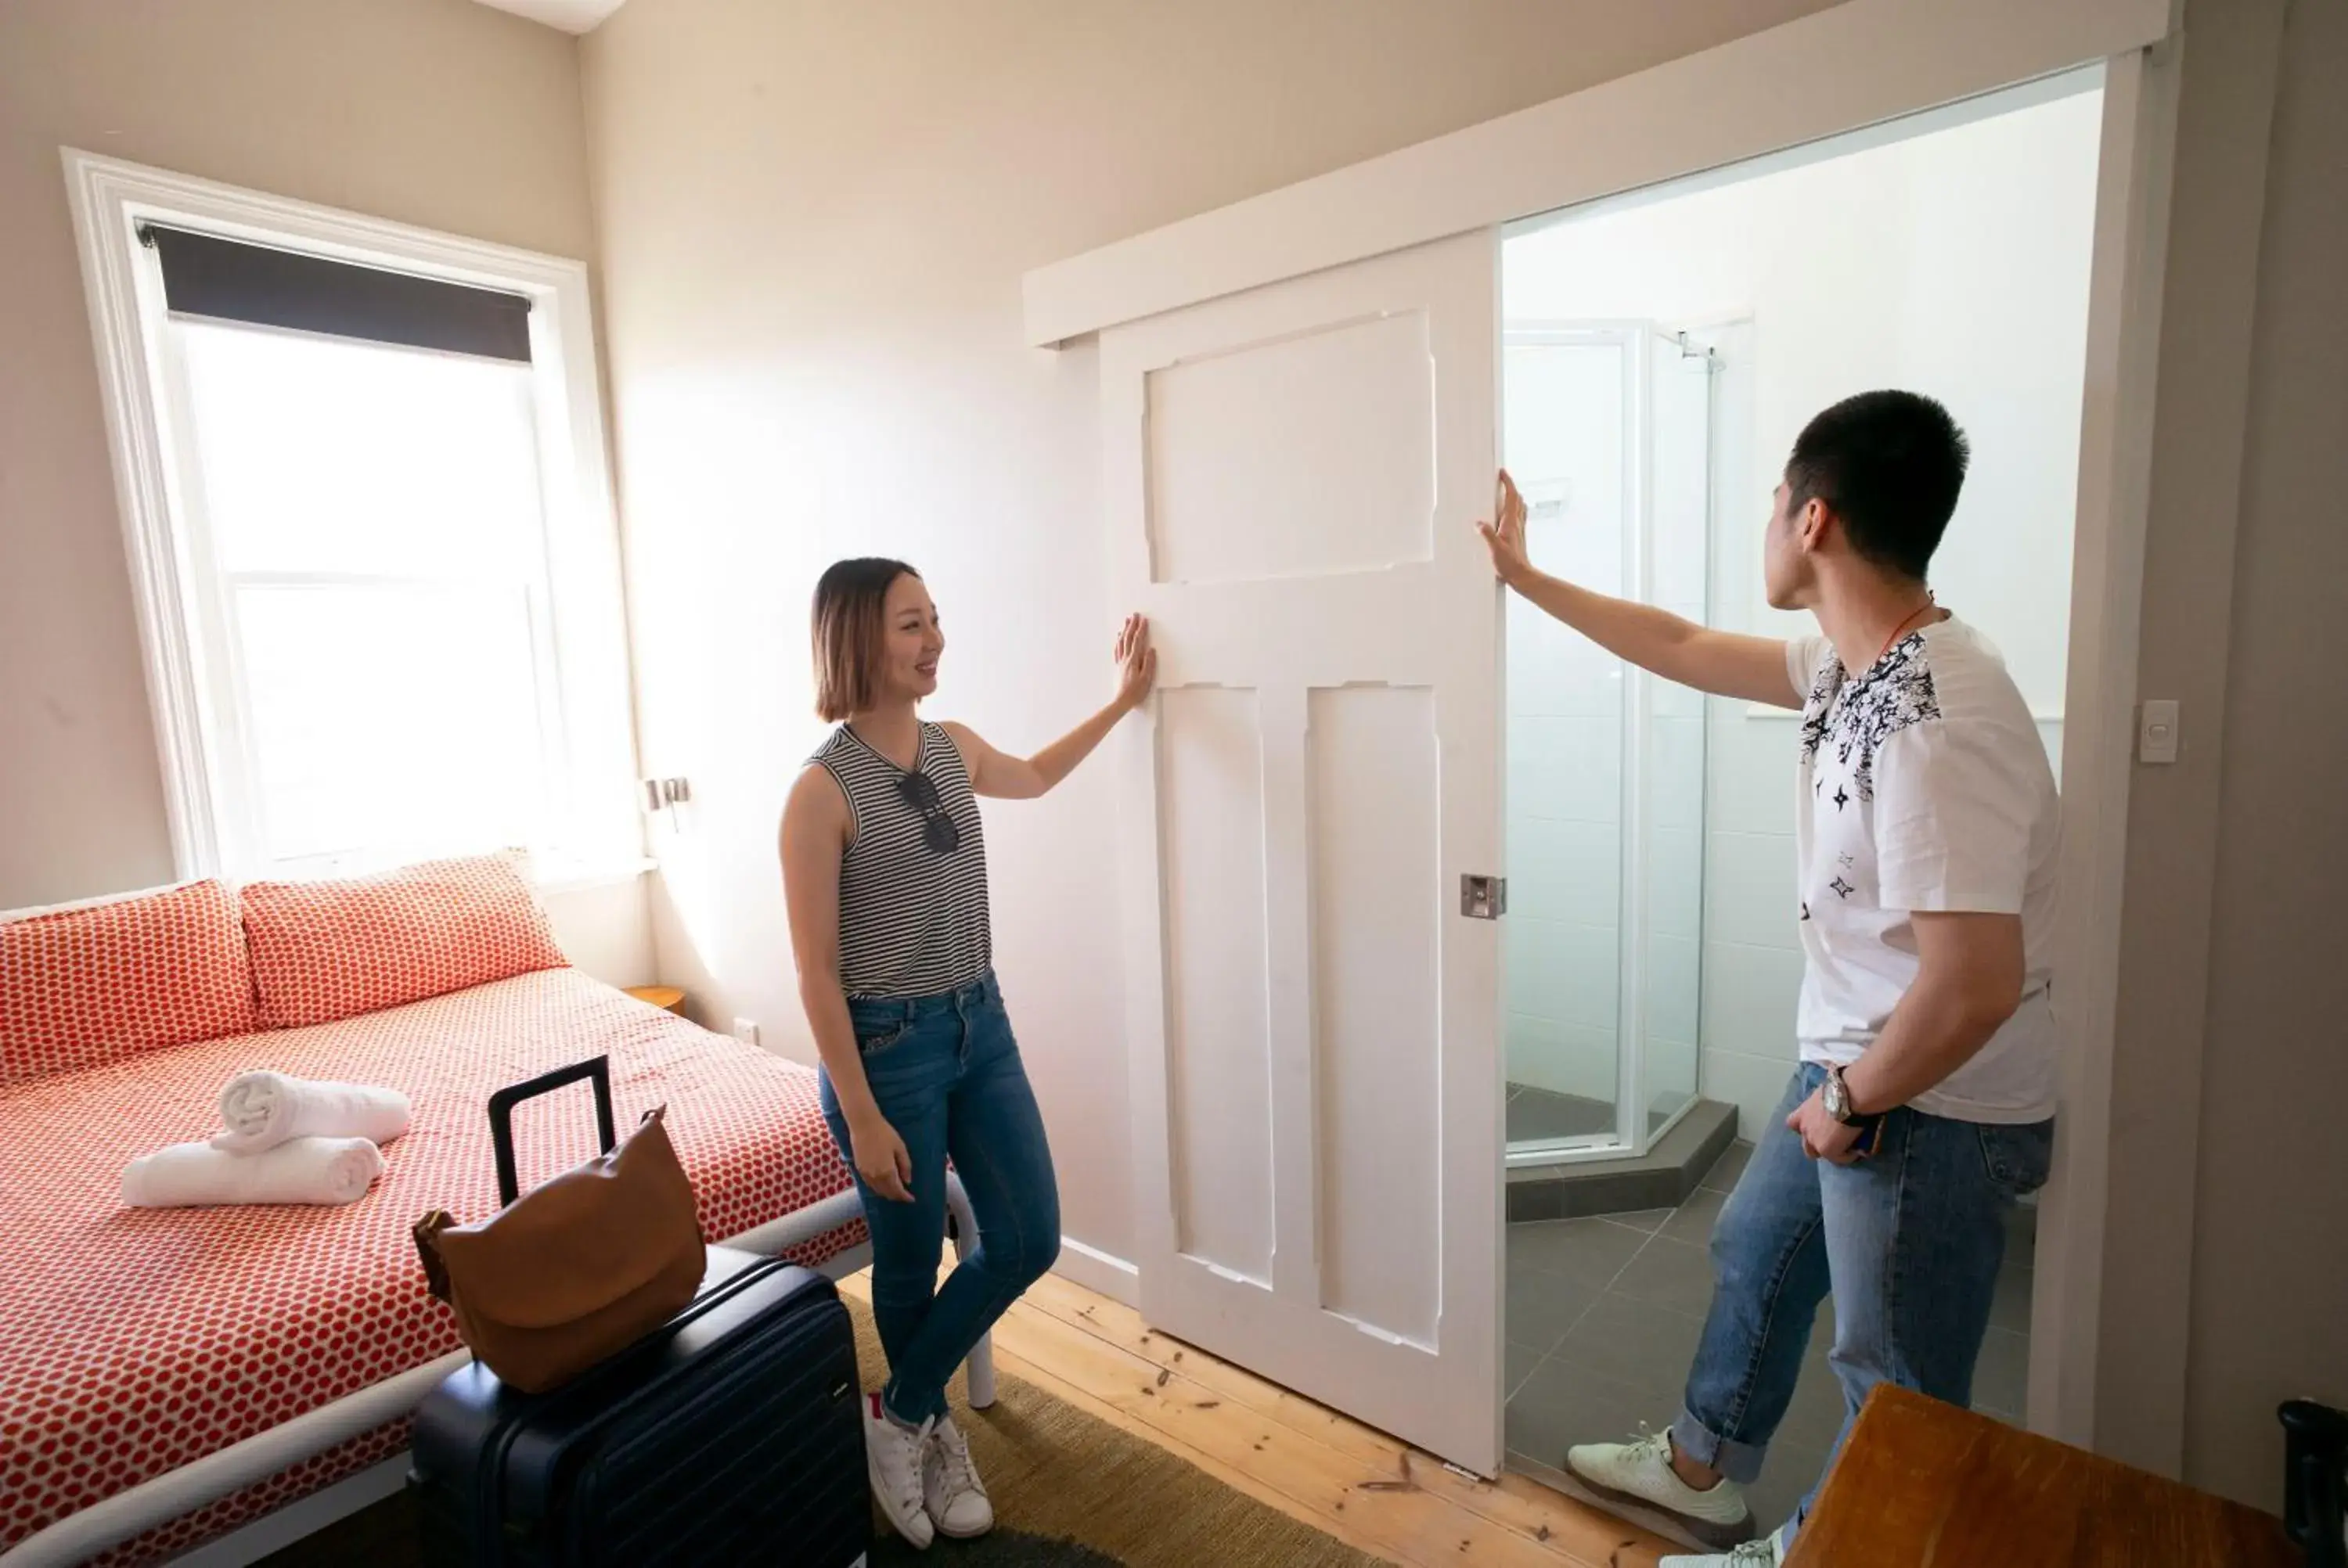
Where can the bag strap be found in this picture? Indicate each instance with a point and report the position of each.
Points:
(427, 1234)
(501, 1105)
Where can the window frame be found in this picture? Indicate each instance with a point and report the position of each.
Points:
(594, 829)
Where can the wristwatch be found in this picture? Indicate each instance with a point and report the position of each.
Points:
(1836, 1094)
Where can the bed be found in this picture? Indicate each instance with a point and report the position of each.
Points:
(167, 1375)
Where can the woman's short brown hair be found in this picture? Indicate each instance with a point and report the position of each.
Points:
(848, 602)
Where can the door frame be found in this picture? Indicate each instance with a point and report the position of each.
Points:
(1850, 67)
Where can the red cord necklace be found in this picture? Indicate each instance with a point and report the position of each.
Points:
(1925, 609)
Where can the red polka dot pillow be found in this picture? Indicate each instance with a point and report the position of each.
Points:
(324, 950)
(84, 984)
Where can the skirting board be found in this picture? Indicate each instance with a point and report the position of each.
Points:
(1099, 1272)
(275, 1531)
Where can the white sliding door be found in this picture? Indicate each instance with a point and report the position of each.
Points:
(1291, 476)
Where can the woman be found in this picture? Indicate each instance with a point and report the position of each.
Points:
(885, 870)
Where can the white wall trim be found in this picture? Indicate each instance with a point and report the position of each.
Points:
(1860, 62)
(304, 1516)
(1100, 1272)
(109, 199)
(2155, 1044)
(2115, 444)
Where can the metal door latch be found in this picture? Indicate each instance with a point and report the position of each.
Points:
(1483, 897)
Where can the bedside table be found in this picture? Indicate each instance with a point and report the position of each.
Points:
(668, 999)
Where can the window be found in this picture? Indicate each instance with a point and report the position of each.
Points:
(364, 493)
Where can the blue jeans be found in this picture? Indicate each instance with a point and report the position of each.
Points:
(945, 1071)
(1909, 1239)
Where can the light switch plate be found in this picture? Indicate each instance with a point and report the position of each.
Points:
(2156, 737)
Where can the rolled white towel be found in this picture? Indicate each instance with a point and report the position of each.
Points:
(299, 1171)
(262, 1110)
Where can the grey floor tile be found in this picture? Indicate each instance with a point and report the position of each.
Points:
(1517, 1364)
(1541, 1307)
(2010, 1307)
(1563, 1404)
(1536, 1114)
(1693, 1220)
(1647, 1219)
(1671, 1273)
(1722, 1177)
(2021, 1236)
(1646, 1345)
(1790, 1471)
(1817, 1411)
(2002, 1375)
(1588, 1251)
(1822, 1333)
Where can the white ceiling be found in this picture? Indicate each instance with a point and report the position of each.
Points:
(570, 15)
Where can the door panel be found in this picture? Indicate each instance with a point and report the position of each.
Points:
(1290, 477)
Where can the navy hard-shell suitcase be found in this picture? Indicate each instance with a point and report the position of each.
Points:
(731, 1434)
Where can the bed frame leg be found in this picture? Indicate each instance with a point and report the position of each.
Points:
(962, 1225)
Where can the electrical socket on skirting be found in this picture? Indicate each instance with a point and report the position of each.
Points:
(745, 1030)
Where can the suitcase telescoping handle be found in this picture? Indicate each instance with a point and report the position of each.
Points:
(503, 1103)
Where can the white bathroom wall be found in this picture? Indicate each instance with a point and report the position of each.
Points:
(1953, 264)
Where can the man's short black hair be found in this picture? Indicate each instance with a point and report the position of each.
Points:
(1889, 465)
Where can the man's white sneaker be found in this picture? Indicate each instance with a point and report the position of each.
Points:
(1761, 1553)
(893, 1457)
(1637, 1476)
(950, 1489)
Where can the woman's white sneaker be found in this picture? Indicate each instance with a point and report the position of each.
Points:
(956, 1499)
(893, 1454)
(1762, 1553)
(1638, 1475)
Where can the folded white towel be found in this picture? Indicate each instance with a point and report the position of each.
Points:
(300, 1170)
(264, 1110)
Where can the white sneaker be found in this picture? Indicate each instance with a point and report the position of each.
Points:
(893, 1457)
(950, 1489)
(1638, 1478)
(1761, 1553)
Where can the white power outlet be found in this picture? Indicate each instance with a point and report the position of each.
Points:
(745, 1030)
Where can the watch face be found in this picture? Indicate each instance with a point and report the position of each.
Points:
(1837, 1101)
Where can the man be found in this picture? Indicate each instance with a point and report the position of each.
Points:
(1925, 831)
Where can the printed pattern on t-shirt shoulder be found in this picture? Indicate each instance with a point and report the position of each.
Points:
(1897, 693)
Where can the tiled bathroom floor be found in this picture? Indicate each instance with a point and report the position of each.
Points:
(1537, 1114)
(1603, 1317)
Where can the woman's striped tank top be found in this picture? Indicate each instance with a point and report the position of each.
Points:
(913, 919)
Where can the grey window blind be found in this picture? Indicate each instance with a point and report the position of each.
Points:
(228, 279)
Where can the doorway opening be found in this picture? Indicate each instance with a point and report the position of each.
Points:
(1660, 350)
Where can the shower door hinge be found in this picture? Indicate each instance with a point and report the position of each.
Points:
(1483, 897)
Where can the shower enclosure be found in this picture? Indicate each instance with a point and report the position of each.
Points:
(1608, 431)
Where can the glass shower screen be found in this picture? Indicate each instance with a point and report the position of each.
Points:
(1607, 428)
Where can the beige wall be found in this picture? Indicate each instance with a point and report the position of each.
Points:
(814, 219)
(2270, 1319)
(435, 112)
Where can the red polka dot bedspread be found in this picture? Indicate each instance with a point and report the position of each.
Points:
(134, 1341)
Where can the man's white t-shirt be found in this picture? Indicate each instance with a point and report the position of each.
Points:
(1924, 788)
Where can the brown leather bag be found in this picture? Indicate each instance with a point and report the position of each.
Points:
(581, 1268)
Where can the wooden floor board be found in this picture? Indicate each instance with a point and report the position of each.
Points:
(1357, 1484)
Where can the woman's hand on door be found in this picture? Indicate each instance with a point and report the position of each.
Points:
(1504, 535)
(1137, 663)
